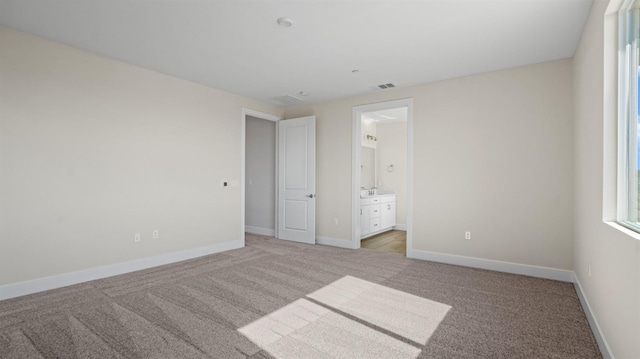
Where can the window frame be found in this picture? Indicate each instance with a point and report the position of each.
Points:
(628, 61)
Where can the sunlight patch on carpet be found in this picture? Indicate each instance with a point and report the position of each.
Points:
(402, 313)
(304, 329)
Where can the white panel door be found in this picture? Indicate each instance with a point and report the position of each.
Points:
(297, 179)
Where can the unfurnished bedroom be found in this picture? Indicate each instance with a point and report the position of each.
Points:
(319, 179)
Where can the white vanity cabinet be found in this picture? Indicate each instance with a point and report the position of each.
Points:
(377, 214)
(388, 212)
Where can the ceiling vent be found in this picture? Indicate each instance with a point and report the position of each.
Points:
(288, 100)
(386, 86)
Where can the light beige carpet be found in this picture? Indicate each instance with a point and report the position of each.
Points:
(278, 299)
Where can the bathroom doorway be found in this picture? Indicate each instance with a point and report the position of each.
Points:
(382, 176)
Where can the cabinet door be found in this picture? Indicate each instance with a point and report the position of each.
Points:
(388, 215)
(364, 220)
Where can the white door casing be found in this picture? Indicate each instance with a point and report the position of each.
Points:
(357, 112)
(243, 140)
(297, 179)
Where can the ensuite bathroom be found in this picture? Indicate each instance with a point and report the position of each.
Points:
(383, 180)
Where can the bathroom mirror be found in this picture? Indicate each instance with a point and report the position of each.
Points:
(368, 167)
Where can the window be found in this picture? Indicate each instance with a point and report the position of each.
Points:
(628, 114)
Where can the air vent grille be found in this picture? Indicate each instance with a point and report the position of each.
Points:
(386, 86)
(288, 99)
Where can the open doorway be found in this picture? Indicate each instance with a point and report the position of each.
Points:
(260, 169)
(278, 176)
(382, 176)
(260, 176)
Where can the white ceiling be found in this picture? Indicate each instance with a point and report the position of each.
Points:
(384, 116)
(237, 46)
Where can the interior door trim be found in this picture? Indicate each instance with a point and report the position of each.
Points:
(355, 169)
(243, 163)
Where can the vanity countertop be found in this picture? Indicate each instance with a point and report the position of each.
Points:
(379, 193)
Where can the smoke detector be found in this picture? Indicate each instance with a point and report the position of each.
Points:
(285, 21)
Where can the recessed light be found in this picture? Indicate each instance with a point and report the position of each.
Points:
(285, 22)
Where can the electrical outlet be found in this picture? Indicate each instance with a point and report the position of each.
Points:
(136, 238)
(156, 234)
(335, 221)
(467, 235)
(224, 183)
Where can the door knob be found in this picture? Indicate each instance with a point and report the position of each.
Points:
(311, 195)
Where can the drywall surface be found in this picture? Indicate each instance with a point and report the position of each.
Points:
(493, 154)
(392, 150)
(94, 150)
(613, 288)
(260, 175)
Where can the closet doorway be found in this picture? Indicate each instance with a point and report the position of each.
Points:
(260, 173)
(278, 176)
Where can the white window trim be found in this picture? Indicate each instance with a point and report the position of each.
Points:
(627, 182)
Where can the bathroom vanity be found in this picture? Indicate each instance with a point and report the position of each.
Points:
(377, 214)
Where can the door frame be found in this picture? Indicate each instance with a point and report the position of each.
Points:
(357, 112)
(243, 163)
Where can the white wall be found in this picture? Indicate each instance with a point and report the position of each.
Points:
(260, 176)
(493, 155)
(93, 150)
(392, 149)
(613, 289)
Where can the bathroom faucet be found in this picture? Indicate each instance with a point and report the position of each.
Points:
(372, 191)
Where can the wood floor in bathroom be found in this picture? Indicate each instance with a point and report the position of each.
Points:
(392, 241)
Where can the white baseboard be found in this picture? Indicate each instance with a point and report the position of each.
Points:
(515, 268)
(62, 280)
(400, 227)
(335, 242)
(259, 230)
(524, 269)
(605, 350)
